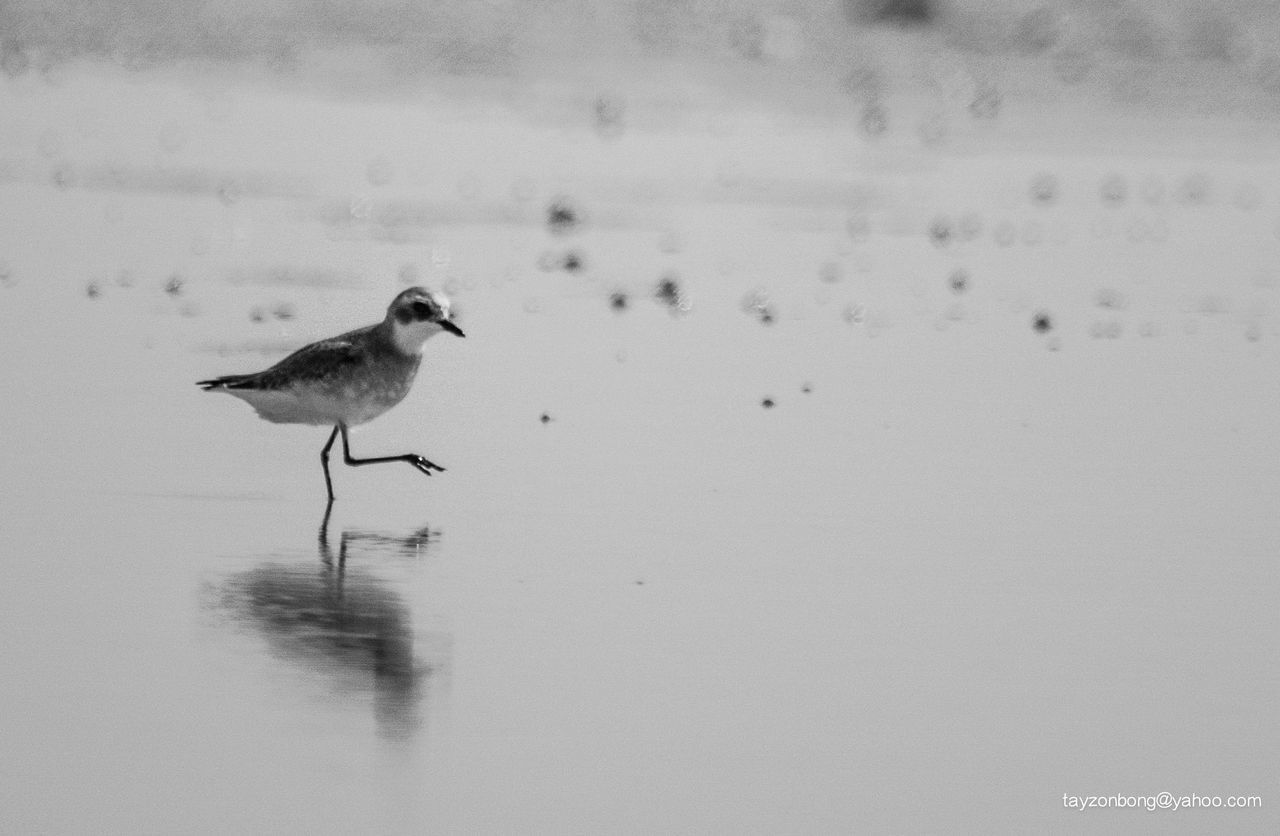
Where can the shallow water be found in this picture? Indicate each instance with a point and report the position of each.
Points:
(954, 570)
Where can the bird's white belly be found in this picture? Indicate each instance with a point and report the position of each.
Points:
(350, 405)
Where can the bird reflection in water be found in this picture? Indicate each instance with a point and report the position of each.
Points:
(345, 623)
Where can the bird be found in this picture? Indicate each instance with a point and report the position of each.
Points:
(349, 379)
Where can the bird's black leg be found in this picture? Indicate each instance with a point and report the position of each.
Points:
(326, 556)
(324, 460)
(412, 458)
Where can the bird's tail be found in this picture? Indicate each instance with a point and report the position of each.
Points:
(225, 382)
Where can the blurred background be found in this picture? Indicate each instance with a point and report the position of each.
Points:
(319, 145)
(866, 418)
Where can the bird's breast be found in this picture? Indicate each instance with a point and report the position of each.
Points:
(378, 387)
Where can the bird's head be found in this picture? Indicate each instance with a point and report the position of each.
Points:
(418, 314)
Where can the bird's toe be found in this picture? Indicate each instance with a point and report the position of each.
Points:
(426, 466)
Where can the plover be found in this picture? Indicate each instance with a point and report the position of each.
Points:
(349, 379)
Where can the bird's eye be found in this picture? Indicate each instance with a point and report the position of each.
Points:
(421, 310)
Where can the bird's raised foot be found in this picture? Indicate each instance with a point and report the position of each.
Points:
(423, 464)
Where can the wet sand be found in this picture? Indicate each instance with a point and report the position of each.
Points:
(956, 567)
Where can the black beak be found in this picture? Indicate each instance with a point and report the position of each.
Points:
(451, 328)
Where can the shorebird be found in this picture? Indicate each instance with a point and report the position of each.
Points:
(348, 379)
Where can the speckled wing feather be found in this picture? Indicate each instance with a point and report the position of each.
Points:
(319, 360)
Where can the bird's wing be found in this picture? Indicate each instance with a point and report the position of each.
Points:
(326, 358)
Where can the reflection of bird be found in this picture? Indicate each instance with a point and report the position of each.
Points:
(348, 379)
(348, 625)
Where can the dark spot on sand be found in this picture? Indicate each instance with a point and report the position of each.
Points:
(1109, 298)
(941, 231)
(1044, 189)
(562, 216)
(572, 262)
(757, 304)
(610, 115)
(668, 293)
(890, 12)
